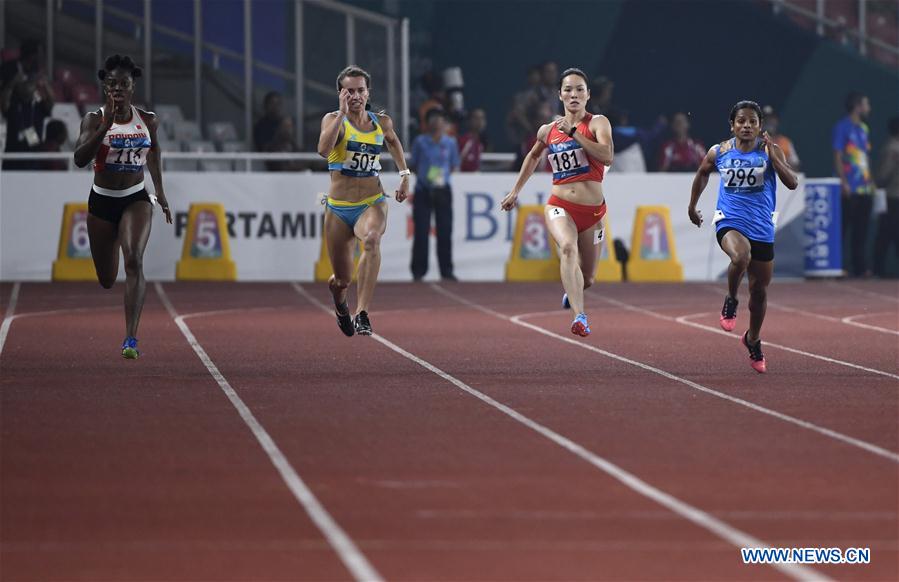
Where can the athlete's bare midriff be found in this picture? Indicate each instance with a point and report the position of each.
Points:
(118, 180)
(352, 189)
(588, 193)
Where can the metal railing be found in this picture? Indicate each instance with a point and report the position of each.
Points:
(351, 14)
(823, 23)
(491, 161)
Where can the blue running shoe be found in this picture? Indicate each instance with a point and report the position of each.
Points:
(129, 348)
(580, 326)
(566, 304)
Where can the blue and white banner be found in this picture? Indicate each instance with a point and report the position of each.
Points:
(274, 221)
(823, 237)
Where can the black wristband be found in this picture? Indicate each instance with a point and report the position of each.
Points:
(572, 132)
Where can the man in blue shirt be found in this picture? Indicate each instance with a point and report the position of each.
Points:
(435, 156)
(851, 148)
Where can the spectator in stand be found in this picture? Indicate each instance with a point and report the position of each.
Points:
(772, 124)
(888, 178)
(851, 147)
(435, 156)
(518, 126)
(474, 142)
(539, 114)
(284, 141)
(265, 129)
(601, 90)
(548, 91)
(630, 141)
(681, 153)
(433, 86)
(57, 134)
(25, 101)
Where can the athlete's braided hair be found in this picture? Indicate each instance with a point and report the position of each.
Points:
(119, 62)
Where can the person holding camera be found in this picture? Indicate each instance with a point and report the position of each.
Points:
(26, 101)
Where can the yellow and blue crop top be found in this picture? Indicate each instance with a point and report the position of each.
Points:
(358, 153)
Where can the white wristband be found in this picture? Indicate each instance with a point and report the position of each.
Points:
(404, 173)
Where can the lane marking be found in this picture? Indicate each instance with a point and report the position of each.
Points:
(518, 320)
(850, 320)
(892, 298)
(345, 548)
(712, 524)
(8, 316)
(845, 320)
(684, 320)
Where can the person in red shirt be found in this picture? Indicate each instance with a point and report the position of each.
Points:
(473, 143)
(681, 153)
(579, 149)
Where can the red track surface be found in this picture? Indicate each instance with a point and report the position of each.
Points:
(121, 470)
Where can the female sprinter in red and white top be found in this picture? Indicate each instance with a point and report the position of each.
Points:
(579, 147)
(120, 139)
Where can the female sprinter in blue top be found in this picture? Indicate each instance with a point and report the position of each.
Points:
(352, 139)
(120, 139)
(579, 148)
(745, 217)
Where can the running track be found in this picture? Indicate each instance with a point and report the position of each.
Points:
(474, 438)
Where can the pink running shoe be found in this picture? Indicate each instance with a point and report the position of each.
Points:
(580, 326)
(756, 358)
(729, 314)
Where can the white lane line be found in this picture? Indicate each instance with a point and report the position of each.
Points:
(655, 514)
(233, 310)
(893, 298)
(850, 320)
(846, 320)
(73, 310)
(8, 317)
(702, 519)
(684, 320)
(345, 548)
(887, 454)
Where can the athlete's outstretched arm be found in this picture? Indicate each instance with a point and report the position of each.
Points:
(154, 164)
(399, 156)
(781, 166)
(699, 183)
(530, 163)
(93, 129)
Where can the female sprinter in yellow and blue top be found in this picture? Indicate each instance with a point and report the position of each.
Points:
(352, 139)
(744, 217)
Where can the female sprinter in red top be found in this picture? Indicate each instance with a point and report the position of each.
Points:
(579, 147)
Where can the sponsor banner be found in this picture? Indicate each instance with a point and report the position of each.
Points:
(274, 221)
(653, 250)
(823, 239)
(74, 261)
